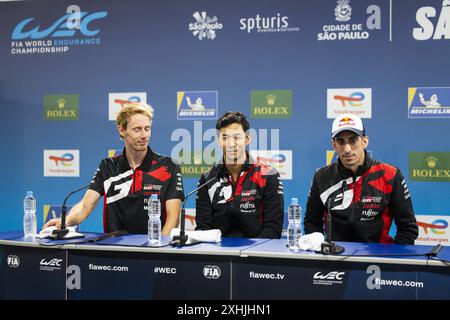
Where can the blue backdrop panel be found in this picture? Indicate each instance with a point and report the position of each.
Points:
(152, 47)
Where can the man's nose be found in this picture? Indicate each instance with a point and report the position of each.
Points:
(347, 148)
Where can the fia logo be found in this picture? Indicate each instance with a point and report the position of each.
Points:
(211, 272)
(13, 261)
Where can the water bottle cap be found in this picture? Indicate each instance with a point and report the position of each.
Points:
(29, 193)
(294, 201)
(154, 197)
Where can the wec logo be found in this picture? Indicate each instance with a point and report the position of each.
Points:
(54, 262)
(65, 26)
(333, 275)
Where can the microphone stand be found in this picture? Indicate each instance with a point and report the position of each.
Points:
(328, 246)
(61, 233)
(181, 239)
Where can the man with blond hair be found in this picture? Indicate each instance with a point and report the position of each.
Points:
(127, 181)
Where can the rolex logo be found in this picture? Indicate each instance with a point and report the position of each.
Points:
(429, 166)
(271, 99)
(61, 103)
(431, 161)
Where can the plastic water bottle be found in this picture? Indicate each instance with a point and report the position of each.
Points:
(154, 220)
(29, 217)
(294, 231)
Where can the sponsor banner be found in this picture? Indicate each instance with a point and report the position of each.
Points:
(73, 28)
(204, 26)
(432, 22)
(429, 102)
(117, 101)
(61, 107)
(271, 104)
(350, 24)
(429, 166)
(61, 163)
(197, 105)
(194, 170)
(194, 164)
(433, 230)
(357, 101)
(266, 24)
(281, 160)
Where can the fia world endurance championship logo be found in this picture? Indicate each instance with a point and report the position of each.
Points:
(73, 29)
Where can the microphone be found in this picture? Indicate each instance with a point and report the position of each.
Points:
(181, 239)
(328, 246)
(59, 234)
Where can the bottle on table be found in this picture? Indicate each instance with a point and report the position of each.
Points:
(154, 220)
(29, 217)
(294, 230)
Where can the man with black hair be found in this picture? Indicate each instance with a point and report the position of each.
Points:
(245, 198)
(364, 195)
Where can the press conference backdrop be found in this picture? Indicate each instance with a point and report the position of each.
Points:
(291, 66)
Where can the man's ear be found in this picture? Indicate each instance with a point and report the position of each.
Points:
(333, 144)
(121, 131)
(365, 141)
(248, 138)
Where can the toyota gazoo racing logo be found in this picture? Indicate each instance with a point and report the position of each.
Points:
(211, 272)
(204, 26)
(30, 37)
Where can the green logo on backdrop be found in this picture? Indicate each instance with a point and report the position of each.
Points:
(195, 165)
(61, 107)
(271, 104)
(429, 166)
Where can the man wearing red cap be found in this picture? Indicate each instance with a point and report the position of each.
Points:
(363, 194)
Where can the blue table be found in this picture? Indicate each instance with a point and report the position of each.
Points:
(126, 267)
(363, 271)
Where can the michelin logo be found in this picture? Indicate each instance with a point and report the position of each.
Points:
(428, 102)
(197, 105)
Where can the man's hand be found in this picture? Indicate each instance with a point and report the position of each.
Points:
(54, 222)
